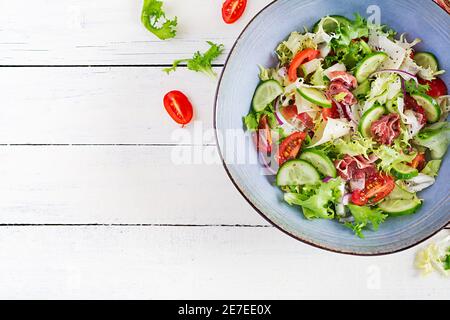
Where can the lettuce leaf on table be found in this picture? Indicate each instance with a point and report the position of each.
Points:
(200, 62)
(154, 19)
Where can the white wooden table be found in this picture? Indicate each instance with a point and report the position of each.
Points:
(92, 206)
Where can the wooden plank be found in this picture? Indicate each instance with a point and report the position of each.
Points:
(109, 31)
(114, 184)
(196, 263)
(99, 105)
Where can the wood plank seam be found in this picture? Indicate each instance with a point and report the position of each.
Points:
(156, 225)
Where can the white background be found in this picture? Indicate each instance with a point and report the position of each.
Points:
(91, 203)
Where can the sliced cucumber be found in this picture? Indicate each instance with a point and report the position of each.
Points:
(265, 94)
(329, 25)
(427, 60)
(431, 107)
(404, 172)
(390, 106)
(369, 65)
(369, 117)
(362, 90)
(315, 96)
(400, 194)
(400, 207)
(436, 138)
(320, 161)
(297, 172)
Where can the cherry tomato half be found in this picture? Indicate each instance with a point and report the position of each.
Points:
(301, 57)
(178, 107)
(377, 188)
(264, 136)
(332, 112)
(232, 10)
(290, 147)
(418, 162)
(437, 87)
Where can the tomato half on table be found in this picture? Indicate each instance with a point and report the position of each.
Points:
(178, 107)
(290, 147)
(232, 10)
(437, 87)
(377, 187)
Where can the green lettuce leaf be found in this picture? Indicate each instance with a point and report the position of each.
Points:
(354, 145)
(317, 201)
(389, 156)
(365, 216)
(348, 32)
(413, 87)
(200, 62)
(432, 168)
(154, 19)
(294, 44)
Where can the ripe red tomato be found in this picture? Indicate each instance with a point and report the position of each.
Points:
(264, 136)
(332, 112)
(301, 57)
(437, 87)
(232, 10)
(290, 147)
(418, 162)
(178, 107)
(377, 188)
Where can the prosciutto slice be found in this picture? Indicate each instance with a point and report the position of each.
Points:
(344, 78)
(386, 129)
(356, 170)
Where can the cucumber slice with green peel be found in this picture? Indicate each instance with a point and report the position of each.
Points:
(390, 106)
(265, 94)
(400, 194)
(315, 96)
(431, 107)
(397, 208)
(436, 138)
(320, 161)
(329, 25)
(369, 117)
(427, 60)
(369, 65)
(362, 90)
(297, 172)
(404, 172)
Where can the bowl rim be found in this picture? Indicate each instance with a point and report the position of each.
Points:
(230, 176)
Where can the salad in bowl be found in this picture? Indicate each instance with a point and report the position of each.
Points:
(352, 122)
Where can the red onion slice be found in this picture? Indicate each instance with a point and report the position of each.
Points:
(278, 115)
(404, 74)
(265, 164)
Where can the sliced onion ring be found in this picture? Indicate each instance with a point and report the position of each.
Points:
(404, 74)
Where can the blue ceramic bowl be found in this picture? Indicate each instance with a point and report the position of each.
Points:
(423, 19)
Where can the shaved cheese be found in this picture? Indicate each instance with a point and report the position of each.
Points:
(403, 42)
(396, 52)
(330, 130)
(324, 49)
